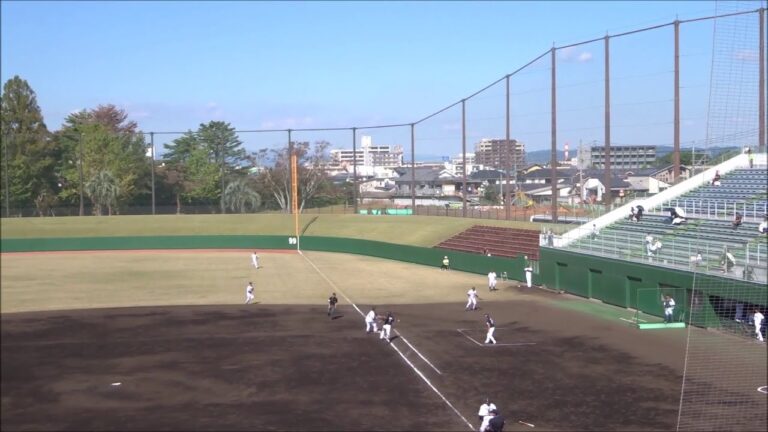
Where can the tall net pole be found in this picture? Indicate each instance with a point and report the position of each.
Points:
(295, 196)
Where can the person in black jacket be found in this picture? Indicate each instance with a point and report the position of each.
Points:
(496, 423)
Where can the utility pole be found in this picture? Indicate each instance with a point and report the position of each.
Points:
(80, 169)
(152, 143)
(5, 170)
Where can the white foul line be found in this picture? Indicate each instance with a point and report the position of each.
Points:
(492, 345)
(415, 369)
(417, 352)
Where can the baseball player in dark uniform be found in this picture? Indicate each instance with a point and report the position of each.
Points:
(386, 329)
(332, 300)
(491, 325)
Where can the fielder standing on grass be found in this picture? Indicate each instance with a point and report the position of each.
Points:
(332, 300)
(491, 325)
(255, 260)
(249, 293)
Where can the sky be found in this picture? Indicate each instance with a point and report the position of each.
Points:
(279, 65)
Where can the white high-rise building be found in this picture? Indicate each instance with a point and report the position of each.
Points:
(370, 155)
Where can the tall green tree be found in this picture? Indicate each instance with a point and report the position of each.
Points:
(214, 147)
(27, 151)
(102, 139)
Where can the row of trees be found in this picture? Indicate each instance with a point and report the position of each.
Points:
(101, 159)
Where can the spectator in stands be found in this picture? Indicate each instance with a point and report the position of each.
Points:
(632, 212)
(727, 260)
(550, 239)
(750, 157)
(595, 232)
(763, 228)
(737, 220)
(696, 259)
(716, 179)
(677, 215)
(639, 213)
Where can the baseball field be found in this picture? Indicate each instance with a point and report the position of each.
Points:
(151, 340)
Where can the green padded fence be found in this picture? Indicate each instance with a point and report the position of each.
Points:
(617, 282)
(472, 263)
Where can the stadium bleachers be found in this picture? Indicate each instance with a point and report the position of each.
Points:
(498, 241)
(708, 231)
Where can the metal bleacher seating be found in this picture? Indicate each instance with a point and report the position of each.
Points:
(708, 230)
(498, 241)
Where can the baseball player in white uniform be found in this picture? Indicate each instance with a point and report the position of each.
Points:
(471, 299)
(758, 321)
(528, 272)
(485, 409)
(370, 321)
(669, 308)
(255, 260)
(492, 281)
(491, 325)
(249, 293)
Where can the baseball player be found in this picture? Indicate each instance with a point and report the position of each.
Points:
(255, 260)
(757, 319)
(492, 280)
(485, 409)
(370, 321)
(669, 308)
(249, 293)
(332, 300)
(471, 299)
(386, 328)
(528, 272)
(446, 264)
(491, 325)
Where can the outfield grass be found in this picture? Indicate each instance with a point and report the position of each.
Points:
(84, 280)
(408, 230)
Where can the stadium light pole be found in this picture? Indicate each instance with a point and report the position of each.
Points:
(354, 168)
(553, 156)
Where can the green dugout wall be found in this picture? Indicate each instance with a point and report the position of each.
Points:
(618, 282)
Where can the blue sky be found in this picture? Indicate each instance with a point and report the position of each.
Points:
(174, 65)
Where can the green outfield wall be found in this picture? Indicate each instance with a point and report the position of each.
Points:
(618, 282)
(468, 262)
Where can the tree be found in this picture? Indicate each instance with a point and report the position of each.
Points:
(215, 146)
(239, 196)
(102, 140)
(27, 151)
(103, 191)
(312, 177)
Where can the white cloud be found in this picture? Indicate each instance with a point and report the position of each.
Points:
(288, 123)
(574, 55)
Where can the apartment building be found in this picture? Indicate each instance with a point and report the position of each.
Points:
(500, 153)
